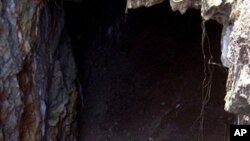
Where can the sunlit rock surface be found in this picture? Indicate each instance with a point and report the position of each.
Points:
(238, 84)
(37, 93)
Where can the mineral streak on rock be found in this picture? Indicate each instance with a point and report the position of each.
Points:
(37, 73)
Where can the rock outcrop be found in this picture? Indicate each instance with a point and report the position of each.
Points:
(37, 72)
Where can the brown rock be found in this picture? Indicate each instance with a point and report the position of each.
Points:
(37, 73)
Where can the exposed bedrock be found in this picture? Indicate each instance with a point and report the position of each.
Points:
(37, 72)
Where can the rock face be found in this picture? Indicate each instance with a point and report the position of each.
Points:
(37, 72)
(238, 84)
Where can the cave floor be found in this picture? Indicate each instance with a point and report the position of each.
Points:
(153, 92)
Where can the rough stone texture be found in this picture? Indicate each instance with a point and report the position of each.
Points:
(218, 10)
(238, 84)
(139, 3)
(37, 72)
(183, 5)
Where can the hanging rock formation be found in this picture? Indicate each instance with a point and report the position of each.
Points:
(235, 16)
(37, 72)
(141, 3)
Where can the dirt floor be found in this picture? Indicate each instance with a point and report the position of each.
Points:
(152, 91)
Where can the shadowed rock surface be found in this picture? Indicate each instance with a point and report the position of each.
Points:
(37, 73)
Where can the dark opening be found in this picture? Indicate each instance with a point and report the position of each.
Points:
(140, 74)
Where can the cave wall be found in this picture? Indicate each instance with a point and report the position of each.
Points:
(238, 56)
(37, 72)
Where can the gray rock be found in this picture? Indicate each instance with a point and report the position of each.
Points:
(37, 73)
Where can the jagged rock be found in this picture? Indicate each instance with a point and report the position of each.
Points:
(37, 73)
(183, 5)
(218, 10)
(238, 84)
(139, 3)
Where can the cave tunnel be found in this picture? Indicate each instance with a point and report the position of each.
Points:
(96, 71)
(140, 74)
